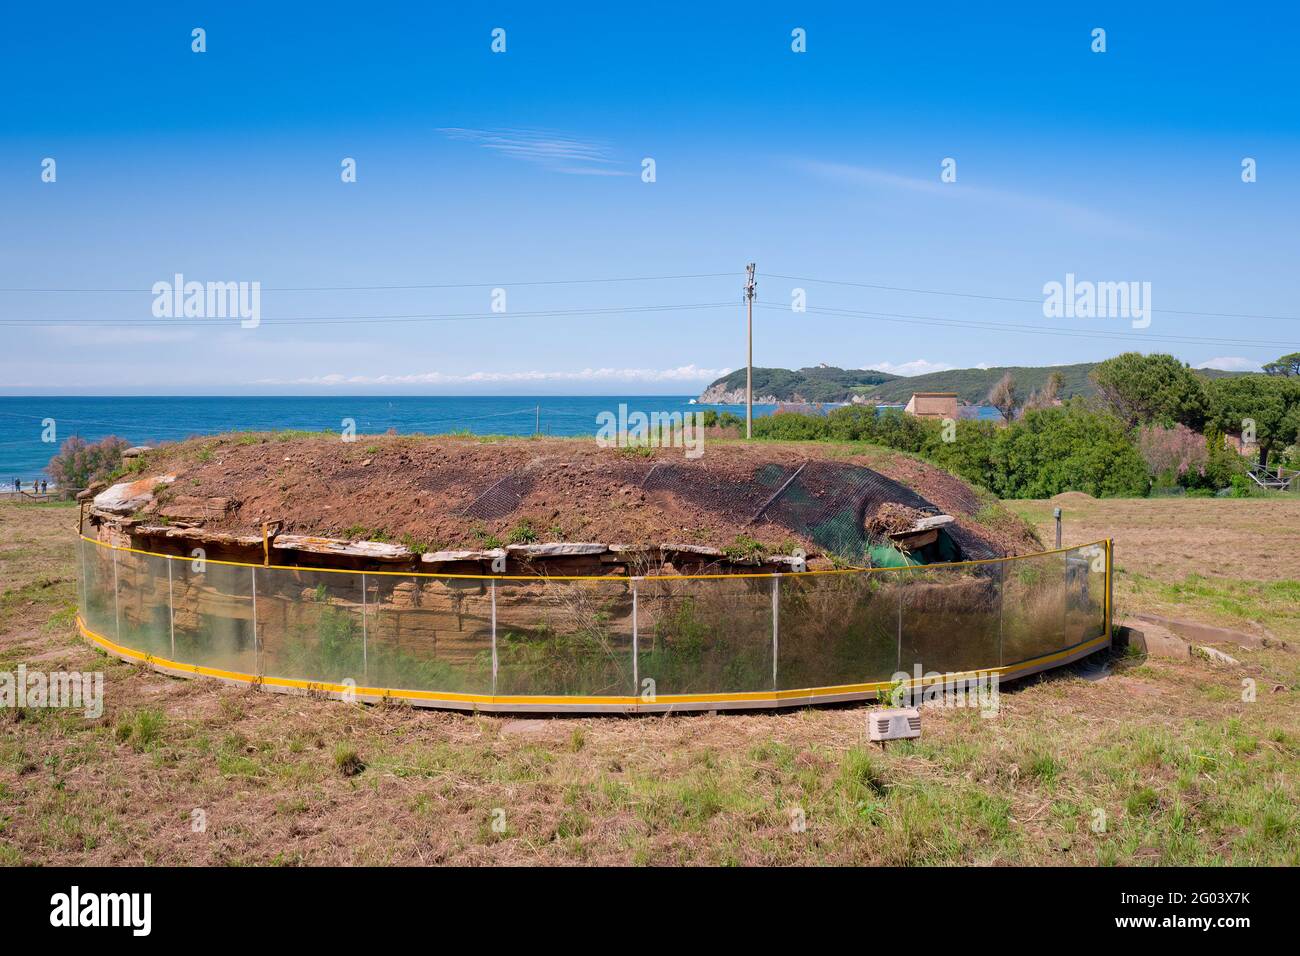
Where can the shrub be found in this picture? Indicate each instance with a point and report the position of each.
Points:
(1069, 448)
(1174, 456)
(788, 426)
(78, 462)
(1145, 389)
(1048, 450)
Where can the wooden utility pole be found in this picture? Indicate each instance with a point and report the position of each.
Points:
(750, 287)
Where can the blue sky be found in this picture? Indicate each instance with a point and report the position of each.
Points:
(483, 170)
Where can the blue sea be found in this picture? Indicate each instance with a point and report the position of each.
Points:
(148, 421)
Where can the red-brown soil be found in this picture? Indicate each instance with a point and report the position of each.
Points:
(414, 489)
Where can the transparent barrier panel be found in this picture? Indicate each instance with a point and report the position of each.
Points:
(1085, 594)
(837, 629)
(212, 614)
(99, 609)
(557, 638)
(950, 618)
(143, 603)
(564, 638)
(1033, 607)
(708, 635)
(310, 627)
(429, 634)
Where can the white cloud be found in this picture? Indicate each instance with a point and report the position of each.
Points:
(914, 367)
(684, 373)
(1232, 363)
(554, 151)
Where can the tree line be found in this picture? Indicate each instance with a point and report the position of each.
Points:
(1152, 422)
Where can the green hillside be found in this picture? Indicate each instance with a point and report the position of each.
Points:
(821, 384)
(972, 385)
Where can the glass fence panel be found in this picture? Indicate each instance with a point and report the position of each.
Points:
(706, 635)
(1085, 594)
(310, 626)
(1033, 607)
(837, 629)
(559, 638)
(564, 638)
(212, 614)
(950, 618)
(98, 611)
(144, 603)
(429, 634)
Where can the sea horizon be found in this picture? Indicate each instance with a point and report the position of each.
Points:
(150, 420)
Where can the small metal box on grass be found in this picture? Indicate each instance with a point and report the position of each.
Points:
(899, 723)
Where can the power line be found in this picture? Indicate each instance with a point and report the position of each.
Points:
(366, 319)
(1004, 298)
(409, 287)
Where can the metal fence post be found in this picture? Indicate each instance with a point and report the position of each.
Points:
(898, 669)
(636, 674)
(257, 651)
(171, 608)
(1002, 600)
(494, 638)
(117, 612)
(776, 625)
(1110, 590)
(365, 638)
(85, 601)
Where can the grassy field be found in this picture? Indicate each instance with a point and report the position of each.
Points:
(1223, 561)
(1161, 761)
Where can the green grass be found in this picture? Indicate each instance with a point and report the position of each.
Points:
(1274, 604)
(142, 730)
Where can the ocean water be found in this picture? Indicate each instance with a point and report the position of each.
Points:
(147, 421)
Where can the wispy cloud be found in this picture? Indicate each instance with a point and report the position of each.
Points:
(1074, 213)
(684, 373)
(1232, 363)
(554, 151)
(914, 367)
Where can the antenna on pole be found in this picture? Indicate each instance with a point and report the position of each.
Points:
(750, 287)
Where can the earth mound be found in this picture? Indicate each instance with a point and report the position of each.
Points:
(435, 493)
